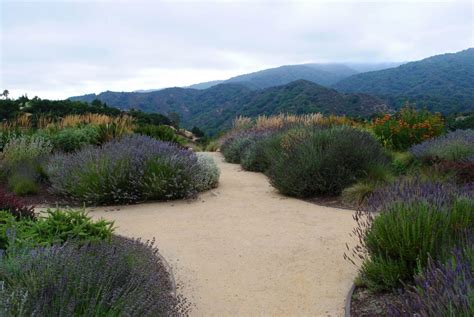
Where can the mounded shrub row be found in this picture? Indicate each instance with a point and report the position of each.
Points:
(133, 168)
(307, 161)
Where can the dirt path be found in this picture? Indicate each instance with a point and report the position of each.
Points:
(244, 250)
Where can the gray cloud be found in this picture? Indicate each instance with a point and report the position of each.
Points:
(57, 49)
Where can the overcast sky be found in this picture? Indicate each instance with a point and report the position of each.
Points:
(57, 49)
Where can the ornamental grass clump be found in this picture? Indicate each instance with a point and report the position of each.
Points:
(323, 161)
(133, 168)
(118, 278)
(454, 147)
(415, 220)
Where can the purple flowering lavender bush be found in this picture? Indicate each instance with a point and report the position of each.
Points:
(131, 169)
(118, 278)
(454, 146)
(415, 219)
(443, 289)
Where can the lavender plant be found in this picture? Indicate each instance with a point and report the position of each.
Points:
(415, 219)
(131, 169)
(409, 190)
(443, 289)
(121, 278)
(454, 146)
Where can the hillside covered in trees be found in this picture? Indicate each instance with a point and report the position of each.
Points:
(214, 108)
(442, 83)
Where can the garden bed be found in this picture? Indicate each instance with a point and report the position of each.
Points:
(367, 304)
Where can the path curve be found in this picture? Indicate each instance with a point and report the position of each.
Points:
(244, 250)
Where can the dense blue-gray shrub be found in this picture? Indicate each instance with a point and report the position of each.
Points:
(133, 168)
(323, 161)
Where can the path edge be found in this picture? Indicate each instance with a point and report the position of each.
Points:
(349, 301)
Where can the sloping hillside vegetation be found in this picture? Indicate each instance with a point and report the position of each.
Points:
(214, 109)
(442, 83)
(322, 74)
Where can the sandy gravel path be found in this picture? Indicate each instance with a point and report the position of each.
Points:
(244, 250)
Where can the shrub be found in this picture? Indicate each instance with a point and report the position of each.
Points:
(15, 206)
(402, 162)
(323, 161)
(26, 155)
(411, 190)
(443, 289)
(55, 227)
(208, 174)
(454, 146)
(233, 147)
(462, 171)
(121, 278)
(22, 184)
(134, 168)
(25, 149)
(72, 139)
(58, 226)
(257, 157)
(416, 220)
(407, 127)
(162, 133)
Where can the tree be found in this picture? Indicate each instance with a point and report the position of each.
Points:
(197, 132)
(175, 120)
(5, 93)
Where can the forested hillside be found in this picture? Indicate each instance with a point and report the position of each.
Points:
(441, 83)
(214, 108)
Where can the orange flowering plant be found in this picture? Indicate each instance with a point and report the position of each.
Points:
(407, 127)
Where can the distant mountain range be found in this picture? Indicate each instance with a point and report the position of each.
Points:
(214, 108)
(322, 74)
(442, 83)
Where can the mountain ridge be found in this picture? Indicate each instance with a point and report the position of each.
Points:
(214, 108)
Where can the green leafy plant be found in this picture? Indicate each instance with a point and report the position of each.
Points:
(23, 184)
(407, 127)
(55, 227)
(161, 132)
(72, 139)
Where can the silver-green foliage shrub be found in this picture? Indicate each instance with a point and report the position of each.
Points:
(26, 149)
(208, 175)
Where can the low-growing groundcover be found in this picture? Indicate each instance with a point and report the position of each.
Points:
(414, 242)
(133, 168)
